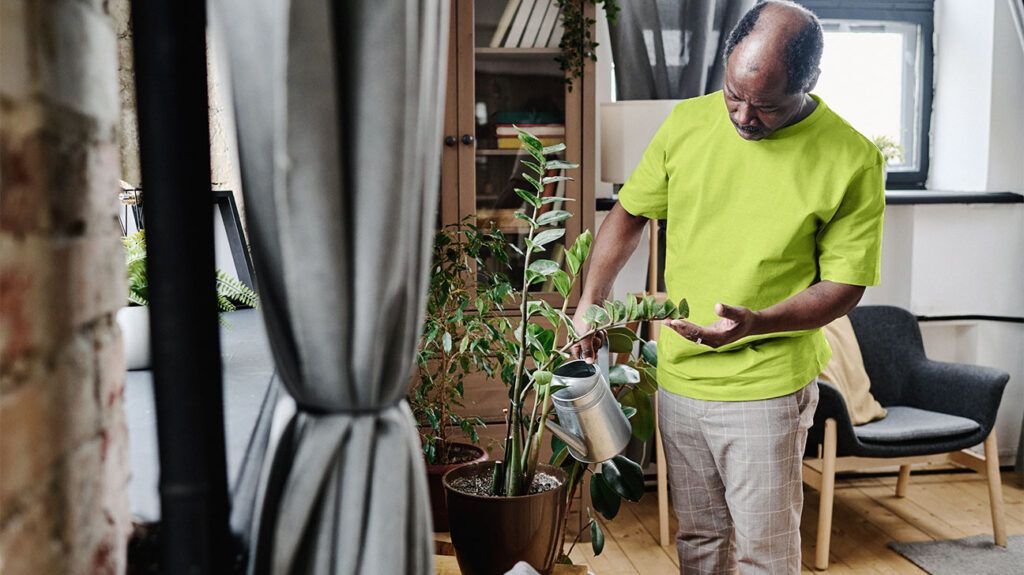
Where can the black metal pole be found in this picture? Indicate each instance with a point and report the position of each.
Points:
(171, 93)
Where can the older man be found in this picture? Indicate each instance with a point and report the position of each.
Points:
(774, 208)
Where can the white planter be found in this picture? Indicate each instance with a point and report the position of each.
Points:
(134, 323)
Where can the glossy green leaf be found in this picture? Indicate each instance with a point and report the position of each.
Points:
(684, 309)
(649, 352)
(548, 236)
(627, 410)
(560, 165)
(620, 374)
(554, 149)
(620, 339)
(529, 139)
(553, 217)
(541, 378)
(533, 181)
(553, 199)
(555, 179)
(604, 499)
(624, 476)
(574, 262)
(596, 538)
(648, 383)
(559, 457)
(595, 315)
(643, 418)
(447, 342)
(527, 197)
(562, 282)
(544, 267)
(520, 215)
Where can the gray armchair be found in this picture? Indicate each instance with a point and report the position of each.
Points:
(936, 410)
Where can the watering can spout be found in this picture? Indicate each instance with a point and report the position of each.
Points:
(574, 442)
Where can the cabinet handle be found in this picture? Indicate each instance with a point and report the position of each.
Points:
(467, 139)
(449, 141)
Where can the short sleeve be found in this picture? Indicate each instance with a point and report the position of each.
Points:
(646, 190)
(850, 244)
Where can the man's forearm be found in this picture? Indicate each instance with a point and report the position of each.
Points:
(812, 308)
(615, 243)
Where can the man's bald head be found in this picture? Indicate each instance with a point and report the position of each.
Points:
(777, 39)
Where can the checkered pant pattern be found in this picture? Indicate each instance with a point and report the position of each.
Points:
(734, 468)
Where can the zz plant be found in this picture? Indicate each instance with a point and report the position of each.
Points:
(537, 349)
(461, 333)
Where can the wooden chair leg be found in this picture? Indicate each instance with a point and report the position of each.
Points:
(828, 484)
(663, 533)
(903, 481)
(995, 489)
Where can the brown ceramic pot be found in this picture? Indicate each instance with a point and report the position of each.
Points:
(435, 473)
(492, 534)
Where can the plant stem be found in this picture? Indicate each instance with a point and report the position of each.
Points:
(515, 428)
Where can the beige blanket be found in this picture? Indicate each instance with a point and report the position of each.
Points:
(846, 371)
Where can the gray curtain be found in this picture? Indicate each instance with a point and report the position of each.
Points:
(338, 108)
(671, 49)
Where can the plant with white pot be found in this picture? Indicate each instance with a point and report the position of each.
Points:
(134, 318)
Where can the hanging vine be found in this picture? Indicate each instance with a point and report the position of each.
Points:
(577, 42)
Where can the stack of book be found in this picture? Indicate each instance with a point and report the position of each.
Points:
(528, 24)
(548, 134)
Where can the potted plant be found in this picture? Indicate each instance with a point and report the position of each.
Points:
(502, 512)
(133, 319)
(461, 334)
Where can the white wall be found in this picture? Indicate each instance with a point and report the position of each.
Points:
(968, 259)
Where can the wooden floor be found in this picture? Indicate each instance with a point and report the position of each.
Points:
(866, 518)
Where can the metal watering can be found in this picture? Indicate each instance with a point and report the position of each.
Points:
(591, 423)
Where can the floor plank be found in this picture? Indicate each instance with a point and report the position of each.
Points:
(866, 517)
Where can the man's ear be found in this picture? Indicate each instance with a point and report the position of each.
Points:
(813, 81)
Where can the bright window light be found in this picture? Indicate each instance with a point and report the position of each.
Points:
(870, 76)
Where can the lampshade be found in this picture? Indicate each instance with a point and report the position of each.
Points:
(626, 129)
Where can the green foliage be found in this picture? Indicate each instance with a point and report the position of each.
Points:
(231, 292)
(891, 151)
(461, 334)
(537, 348)
(135, 262)
(577, 42)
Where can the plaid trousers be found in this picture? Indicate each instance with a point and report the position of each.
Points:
(734, 468)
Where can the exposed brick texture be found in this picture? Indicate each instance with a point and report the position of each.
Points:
(63, 439)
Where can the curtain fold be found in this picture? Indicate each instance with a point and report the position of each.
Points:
(339, 109)
(672, 49)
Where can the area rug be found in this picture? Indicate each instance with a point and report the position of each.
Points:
(975, 555)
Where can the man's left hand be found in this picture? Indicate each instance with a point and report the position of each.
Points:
(737, 322)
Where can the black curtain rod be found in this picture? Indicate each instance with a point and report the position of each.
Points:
(169, 38)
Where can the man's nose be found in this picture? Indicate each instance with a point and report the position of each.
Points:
(744, 114)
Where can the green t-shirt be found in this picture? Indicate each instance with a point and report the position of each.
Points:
(752, 223)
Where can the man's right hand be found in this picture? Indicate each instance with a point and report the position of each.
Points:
(587, 348)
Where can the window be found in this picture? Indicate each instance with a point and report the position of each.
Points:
(876, 72)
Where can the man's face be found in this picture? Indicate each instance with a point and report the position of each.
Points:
(757, 100)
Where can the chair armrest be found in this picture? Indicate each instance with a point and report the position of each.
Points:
(970, 391)
(831, 404)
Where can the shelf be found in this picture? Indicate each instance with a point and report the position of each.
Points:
(517, 51)
(498, 152)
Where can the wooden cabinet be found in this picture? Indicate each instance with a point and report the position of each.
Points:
(490, 88)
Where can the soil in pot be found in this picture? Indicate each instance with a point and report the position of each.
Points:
(493, 533)
(459, 454)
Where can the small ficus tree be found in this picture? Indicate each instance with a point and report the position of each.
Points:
(461, 334)
(538, 349)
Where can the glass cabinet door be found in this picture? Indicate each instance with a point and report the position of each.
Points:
(507, 75)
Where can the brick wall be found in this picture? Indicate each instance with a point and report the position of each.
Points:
(63, 439)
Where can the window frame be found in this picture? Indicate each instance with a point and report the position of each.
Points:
(917, 12)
